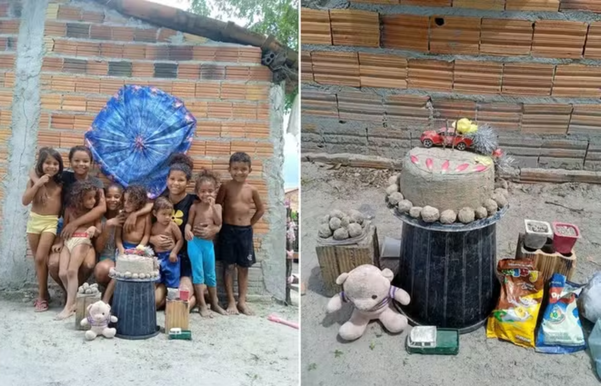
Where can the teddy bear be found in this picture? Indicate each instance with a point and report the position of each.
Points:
(98, 318)
(369, 290)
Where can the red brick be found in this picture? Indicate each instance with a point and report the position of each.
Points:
(454, 35)
(92, 17)
(209, 129)
(134, 51)
(100, 32)
(208, 90)
(233, 130)
(233, 91)
(405, 32)
(111, 50)
(198, 109)
(184, 89)
(97, 67)
(65, 47)
(87, 85)
(494, 5)
(95, 104)
(249, 55)
(237, 73)
(143, 69)
(204, 53)
(145, 35)
(62, 121)
(261, 73)
(69, 13)
(83, 122)
(559, 39)
(55, 28)
(51, 101)
(246, 111)
(227, 54)
(165, 34)
(52, 64)
(123, 34)
(48, 138)
(188, 71)
(214, 148)
(73, 103)
(110, 86)
(220, 110)
(63, 83)
(88, 49)
(69, 140)
(9, 27)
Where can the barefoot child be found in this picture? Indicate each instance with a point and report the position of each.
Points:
(83, 197)
(236, 237)
(43, 219)
(201, 251)
(135, 199)
(168, 259)
(105, 243)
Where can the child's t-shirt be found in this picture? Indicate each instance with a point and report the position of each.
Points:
(68, 178)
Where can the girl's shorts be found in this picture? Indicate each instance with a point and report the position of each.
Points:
(39, 224)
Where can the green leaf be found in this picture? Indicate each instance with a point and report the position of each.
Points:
(338, 354)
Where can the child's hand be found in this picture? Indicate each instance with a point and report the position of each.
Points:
(211, 200)
(121, 250)
(43, 180)
(141, 247)
(173, 257)
(56, 248)
(91, 231)
(189, 235)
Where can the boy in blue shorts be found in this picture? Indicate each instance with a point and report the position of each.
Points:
(236, 249)
(168, 260)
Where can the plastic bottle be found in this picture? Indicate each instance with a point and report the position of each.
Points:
(594, 342)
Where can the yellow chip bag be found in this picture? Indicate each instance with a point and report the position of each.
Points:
(522, 289)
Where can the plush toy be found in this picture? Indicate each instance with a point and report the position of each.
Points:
(99, 317)
(369, 290)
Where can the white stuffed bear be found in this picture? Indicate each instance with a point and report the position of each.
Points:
(98, 318)
(368, 289)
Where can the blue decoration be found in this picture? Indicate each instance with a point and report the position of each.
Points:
(135, 134)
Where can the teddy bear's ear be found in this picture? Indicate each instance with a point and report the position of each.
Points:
(342, 278)
(387, 274)
(89, 307)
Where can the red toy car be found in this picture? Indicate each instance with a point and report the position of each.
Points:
(430, 138)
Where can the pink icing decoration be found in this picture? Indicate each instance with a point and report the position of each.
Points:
(429, 163)
(480, 168)
(414, 159)
(445, 166)
(461, 167)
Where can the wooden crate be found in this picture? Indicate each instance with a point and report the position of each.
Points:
(334, 260)
(82, 301)
(547, 263)
(176, 315)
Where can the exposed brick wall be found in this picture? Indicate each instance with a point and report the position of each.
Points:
(91, 52)
(375, 75)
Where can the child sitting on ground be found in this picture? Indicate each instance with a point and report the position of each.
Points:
(236, 237)
(45, 195)
(134, 200)
(168, 259)
(83, 198)
(201, 251)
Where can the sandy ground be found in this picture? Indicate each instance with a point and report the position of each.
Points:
(232, 350)
(380, 358)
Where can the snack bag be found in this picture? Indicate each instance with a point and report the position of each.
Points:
(514, 318)
(560, 331)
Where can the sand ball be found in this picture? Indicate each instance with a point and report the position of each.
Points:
(336, 213)
(467, 215)
(335, 223)
(135, 276)
(395, 198)
(324, 231)
(356, 216)
(481, 212)
(430, 214)
(127, 275)
(491, 206)
(404, 206)
(502, 184)
(415, 211)
(392, 180)
(354, 230)
(345, 221)
(392, 189)
(503, 192)
(80, 290)
(500, 199)
(341, 234)
(325, 219)
(448, 216)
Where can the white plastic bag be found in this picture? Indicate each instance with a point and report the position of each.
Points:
(590, 300)
(594, 344)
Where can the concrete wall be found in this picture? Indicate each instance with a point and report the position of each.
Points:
(86, 53)
(376, 74)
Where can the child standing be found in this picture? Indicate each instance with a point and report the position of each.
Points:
(236, 237)
(83, 197)
(201, 251)
(135, 199)
(43, 219)
(168, 258)
(105, 245)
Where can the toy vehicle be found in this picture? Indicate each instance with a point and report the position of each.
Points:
(445, 136)
(432, 340)
(178, 333)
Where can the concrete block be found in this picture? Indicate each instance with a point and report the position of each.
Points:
(561, 163)
(526, 162)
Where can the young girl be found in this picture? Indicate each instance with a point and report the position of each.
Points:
(134, 200)
(168, 258)
(43, 219)
(83, 198)
(105, 245)
(201, 251)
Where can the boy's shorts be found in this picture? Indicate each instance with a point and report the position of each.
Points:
(39, 224)
(169, 272)
(236, 245)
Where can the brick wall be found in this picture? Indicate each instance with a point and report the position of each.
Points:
(377, 74)
(90, 52)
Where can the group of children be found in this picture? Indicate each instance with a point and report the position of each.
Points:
(74, 219)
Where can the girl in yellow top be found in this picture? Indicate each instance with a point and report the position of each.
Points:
(45, 197)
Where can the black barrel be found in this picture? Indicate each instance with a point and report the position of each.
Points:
(134, 306)
(449, 272)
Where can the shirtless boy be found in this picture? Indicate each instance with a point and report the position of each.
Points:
(238, 199)
(134, 200)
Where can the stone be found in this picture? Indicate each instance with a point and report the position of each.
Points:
(325, 219)
(415, 211)
(404, 206)
(503, 192)
(491, 206)
(481, 212)
(430, 214)
(335, 223)
(448, 216)
(341, 234)
(467, 215)
(336, 213)
(392, 180)
(392, 189)
(345, 221)
(395, 198)
(355, 230)
(500, 199)
(356, 216)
